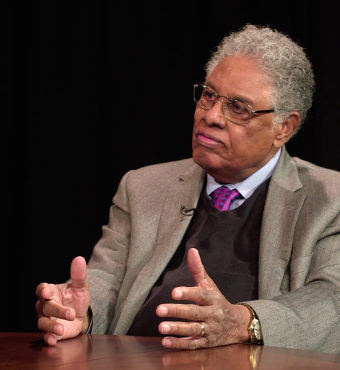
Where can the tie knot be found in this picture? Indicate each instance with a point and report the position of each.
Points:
(222, 198)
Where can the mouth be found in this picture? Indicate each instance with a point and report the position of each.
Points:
(206, 139)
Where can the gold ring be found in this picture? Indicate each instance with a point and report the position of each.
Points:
(202, 332)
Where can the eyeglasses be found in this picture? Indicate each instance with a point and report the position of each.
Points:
(234, 110)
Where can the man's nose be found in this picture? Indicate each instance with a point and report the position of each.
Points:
(214, 115)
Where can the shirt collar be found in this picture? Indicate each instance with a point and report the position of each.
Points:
(249, 185)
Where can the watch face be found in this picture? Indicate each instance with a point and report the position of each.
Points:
(257, 329)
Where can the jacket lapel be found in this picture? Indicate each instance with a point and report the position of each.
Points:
(282, 207)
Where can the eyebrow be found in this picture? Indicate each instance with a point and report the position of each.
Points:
(242, 99)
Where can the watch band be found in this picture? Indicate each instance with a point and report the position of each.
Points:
(254, 328)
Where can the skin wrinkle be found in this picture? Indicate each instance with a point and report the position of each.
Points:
(197, 316)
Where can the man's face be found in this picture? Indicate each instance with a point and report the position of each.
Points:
(228, 151)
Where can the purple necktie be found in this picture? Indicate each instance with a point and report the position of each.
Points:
(222, 198)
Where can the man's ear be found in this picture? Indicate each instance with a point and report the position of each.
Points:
(286, 129)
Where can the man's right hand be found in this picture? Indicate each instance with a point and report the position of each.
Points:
(63, 309)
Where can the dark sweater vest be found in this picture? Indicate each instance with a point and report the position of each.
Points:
(228, 243)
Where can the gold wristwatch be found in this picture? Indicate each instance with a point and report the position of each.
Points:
(254, 327)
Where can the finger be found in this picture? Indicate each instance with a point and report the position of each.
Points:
(197, 270)
(78, 273)
(50, 339)
(45, 291)
(183, 329)
(49, 326)
(51, 309)
(38, 306)
(200, 296)
(190, 312)
(185, 343)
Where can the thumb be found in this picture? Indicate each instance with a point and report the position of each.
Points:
(197, 270)
(78, 272)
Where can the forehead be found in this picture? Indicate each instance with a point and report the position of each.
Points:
(240, 77)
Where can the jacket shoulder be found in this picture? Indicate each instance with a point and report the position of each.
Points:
(308, 170)
(162, 172)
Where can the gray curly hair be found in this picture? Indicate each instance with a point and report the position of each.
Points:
(283, 60)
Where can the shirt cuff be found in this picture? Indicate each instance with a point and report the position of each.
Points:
(89, 329)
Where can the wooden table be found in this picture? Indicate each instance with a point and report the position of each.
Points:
(27, 351)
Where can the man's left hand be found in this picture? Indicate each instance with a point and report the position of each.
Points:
(219, 321)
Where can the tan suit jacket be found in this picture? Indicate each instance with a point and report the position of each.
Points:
(299, 262)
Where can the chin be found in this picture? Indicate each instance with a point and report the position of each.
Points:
(206, 161)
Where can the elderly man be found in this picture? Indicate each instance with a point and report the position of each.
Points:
(239, 243)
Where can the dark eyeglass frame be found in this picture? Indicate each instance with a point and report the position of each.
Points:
(218, 97)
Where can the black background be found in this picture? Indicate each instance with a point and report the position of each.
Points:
(90, 90)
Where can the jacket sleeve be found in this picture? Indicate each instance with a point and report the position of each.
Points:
(304, 312)
(107, 265)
